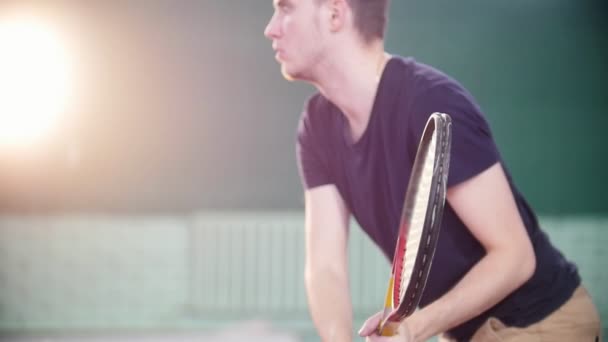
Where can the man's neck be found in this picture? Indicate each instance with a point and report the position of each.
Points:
(351, 84)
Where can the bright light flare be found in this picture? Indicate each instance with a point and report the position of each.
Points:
(35, 80)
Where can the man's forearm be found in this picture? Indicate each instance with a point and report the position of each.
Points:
(329, 304)
(488, 282)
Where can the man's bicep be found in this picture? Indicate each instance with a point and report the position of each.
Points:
(326, 225)
(486, 205)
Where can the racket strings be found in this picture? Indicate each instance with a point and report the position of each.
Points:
(421, 220)
(417, 220)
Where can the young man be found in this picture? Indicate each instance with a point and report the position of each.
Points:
(495, 275)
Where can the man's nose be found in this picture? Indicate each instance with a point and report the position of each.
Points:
(271, 31)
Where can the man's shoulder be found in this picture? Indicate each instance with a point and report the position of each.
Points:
(413, 70)
(317, 104)
(317, 117)
(426, 85)
(426, 78)
(317, 110)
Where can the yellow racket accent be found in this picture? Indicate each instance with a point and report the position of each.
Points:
(388, 303)
(388, 328)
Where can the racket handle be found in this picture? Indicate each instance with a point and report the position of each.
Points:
(389, 329)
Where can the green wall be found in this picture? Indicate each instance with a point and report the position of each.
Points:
(181, 105)
(538, 70)
(100, 273)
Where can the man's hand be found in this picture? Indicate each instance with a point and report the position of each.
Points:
(369, 330)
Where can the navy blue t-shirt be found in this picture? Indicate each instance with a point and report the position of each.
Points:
(372, 173)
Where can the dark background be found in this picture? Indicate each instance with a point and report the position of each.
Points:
(180, 105)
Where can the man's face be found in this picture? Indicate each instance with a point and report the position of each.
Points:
(296, 36)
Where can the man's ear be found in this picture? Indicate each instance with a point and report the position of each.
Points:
(339, 12)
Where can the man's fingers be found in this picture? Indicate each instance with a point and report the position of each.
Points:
(377, 338)
(371, 325)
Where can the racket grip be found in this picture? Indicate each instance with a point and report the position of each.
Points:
(389, 329)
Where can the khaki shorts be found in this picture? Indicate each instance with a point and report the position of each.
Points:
(576, 320)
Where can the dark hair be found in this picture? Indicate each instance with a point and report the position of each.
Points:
(370, 18)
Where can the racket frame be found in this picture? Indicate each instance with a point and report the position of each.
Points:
(396, 311)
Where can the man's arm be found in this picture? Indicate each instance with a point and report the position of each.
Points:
(486, 206)
(326, 269)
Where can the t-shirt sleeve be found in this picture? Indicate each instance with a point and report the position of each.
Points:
(473, 148)
(313, 164)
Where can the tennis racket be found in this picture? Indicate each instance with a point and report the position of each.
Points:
(420, 223)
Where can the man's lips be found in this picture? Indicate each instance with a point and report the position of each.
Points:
(278, 52)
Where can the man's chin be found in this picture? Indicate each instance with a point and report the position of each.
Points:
(293, 75)
(287, 75)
